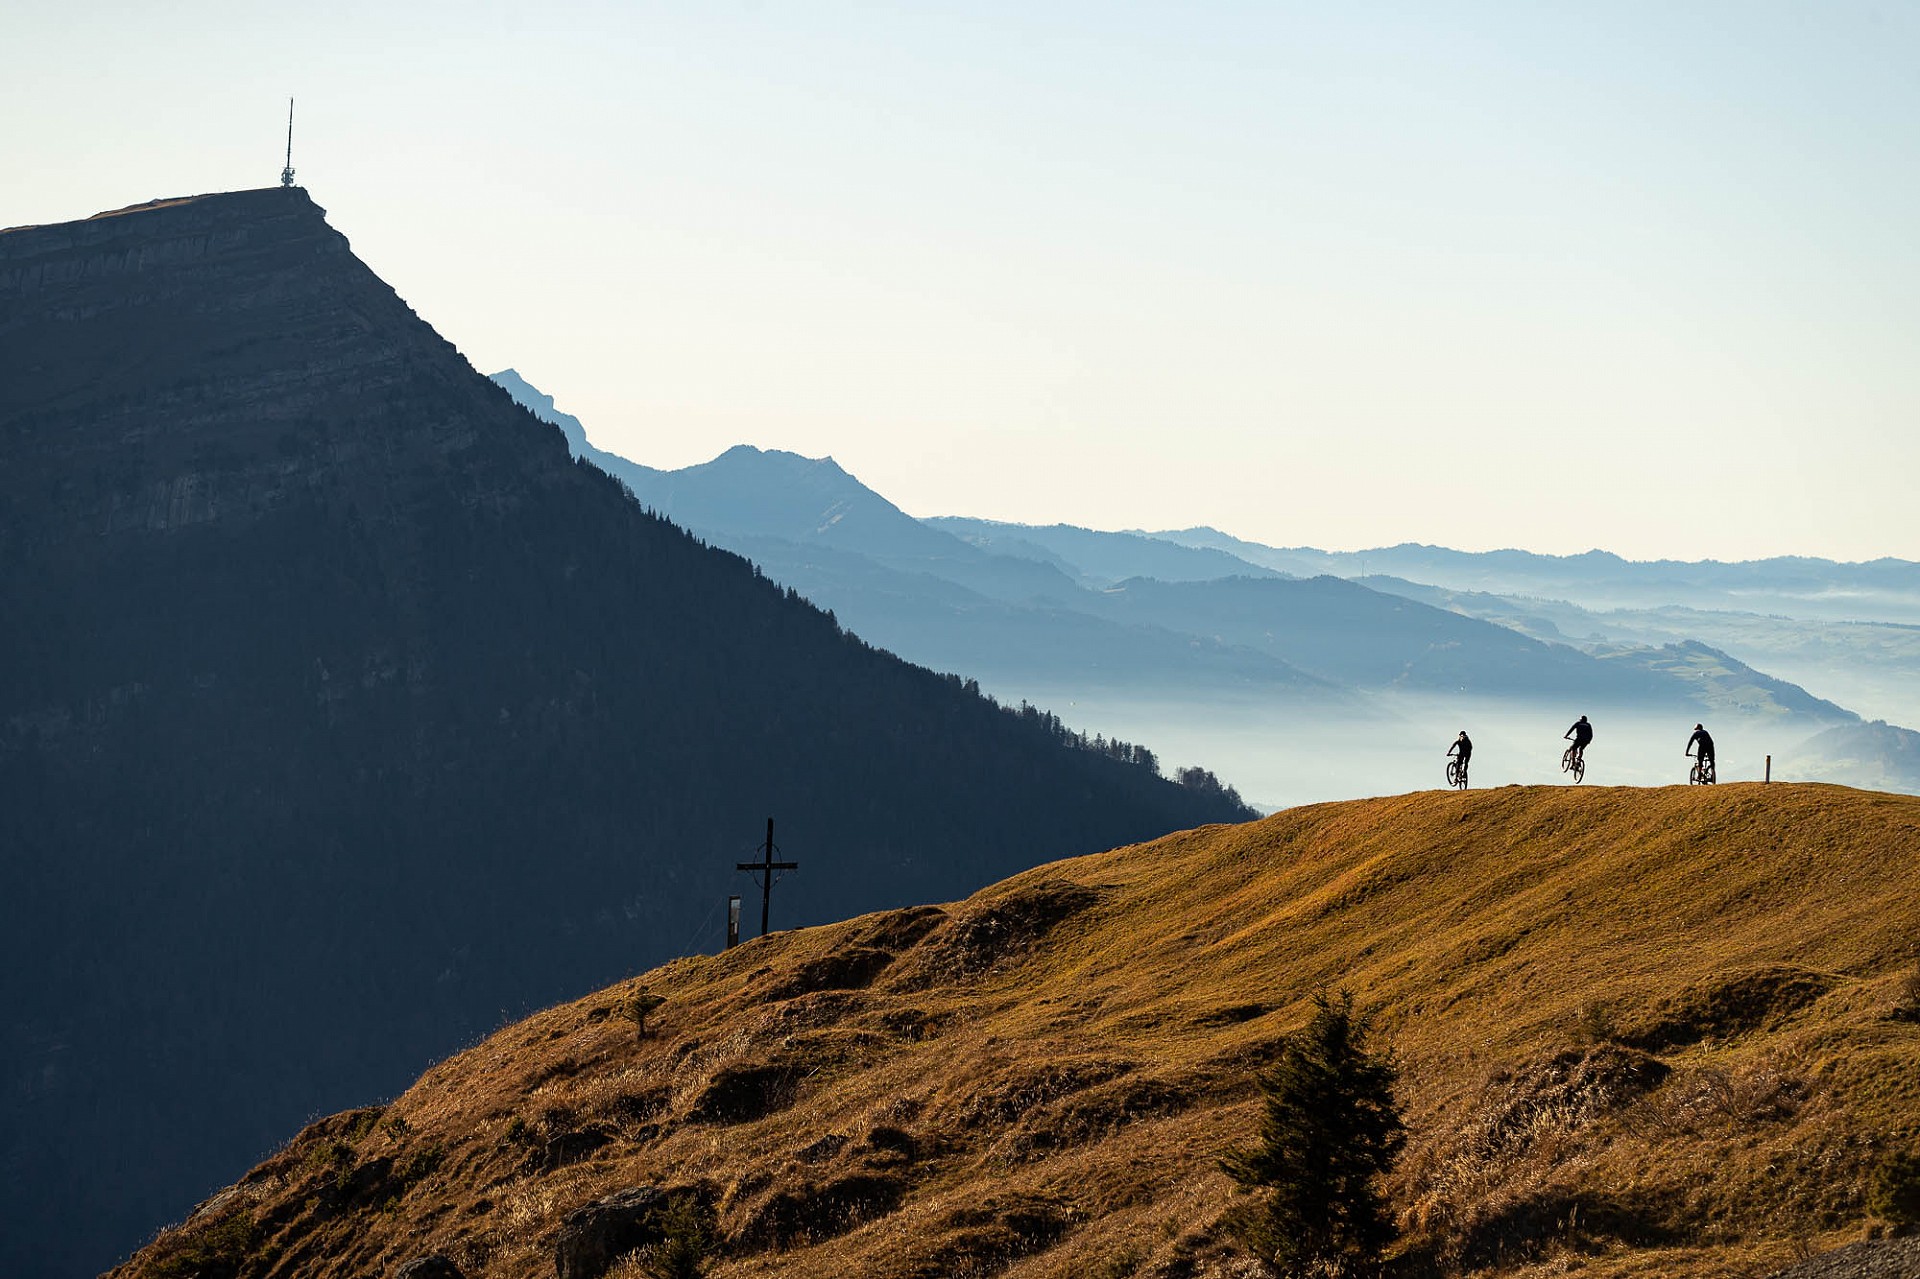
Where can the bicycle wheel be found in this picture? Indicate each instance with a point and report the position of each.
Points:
(1453, 772)
(1579, 769)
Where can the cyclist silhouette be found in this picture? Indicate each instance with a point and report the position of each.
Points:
(1703, 765)
(1575, 760)
(1457, 756)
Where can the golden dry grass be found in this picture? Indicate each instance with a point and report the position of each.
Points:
(1642, 1033)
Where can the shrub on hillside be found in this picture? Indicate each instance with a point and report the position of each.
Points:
(690, 1235)
(640, 1007)
(1329, 1130)
(217, 1250)
(1893, 1194)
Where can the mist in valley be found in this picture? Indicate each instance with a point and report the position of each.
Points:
(1277, 756)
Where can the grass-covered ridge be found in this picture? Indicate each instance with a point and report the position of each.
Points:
(1667, 1032)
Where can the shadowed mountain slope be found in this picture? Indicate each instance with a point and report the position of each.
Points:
(343, 712)
(1641, 1033)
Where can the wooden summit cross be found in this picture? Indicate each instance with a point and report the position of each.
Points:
(763, 871)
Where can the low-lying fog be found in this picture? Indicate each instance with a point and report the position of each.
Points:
(1278, 757)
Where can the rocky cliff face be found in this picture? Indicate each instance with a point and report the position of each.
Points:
(208, 359)
(341, 712)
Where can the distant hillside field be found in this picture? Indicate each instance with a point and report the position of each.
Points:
(1650, 1033)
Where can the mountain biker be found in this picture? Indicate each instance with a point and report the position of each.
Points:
(1581, 733)
(1704, 740)
(1463, 747)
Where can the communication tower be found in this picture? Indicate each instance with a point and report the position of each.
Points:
(286, 174)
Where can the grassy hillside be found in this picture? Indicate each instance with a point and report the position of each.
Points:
(1643, 1032)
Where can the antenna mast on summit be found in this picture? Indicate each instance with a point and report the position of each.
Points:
(286, 174)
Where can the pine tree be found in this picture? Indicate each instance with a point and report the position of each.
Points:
(1328, 1131)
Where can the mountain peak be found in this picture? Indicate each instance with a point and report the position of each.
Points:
(785, 458)
(150, 217)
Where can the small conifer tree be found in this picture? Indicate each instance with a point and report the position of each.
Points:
(1893, 1193)
(640, 1007)
(1328, 1131)
(689, 1237)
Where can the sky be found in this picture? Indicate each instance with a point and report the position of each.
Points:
(1640, 276)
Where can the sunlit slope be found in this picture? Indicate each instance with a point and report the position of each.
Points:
(1667, 1030)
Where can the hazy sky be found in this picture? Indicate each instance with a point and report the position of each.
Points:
(1635, 275)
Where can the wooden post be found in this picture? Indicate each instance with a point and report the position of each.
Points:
(733, 921)
(1769, 776)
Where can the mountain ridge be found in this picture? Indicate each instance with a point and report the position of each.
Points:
(1804, 585)
(1640, 1033)
(1203, 589)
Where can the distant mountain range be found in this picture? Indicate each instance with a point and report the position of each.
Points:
(344, 713)
(1881, 590)
(1168, 615)
(1865, 662)
(1878, 755)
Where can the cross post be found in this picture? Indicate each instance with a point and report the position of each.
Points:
(763, 871)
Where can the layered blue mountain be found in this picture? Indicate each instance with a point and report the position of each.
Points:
(1886, 590)
(915, 589)
(1100, 558)
(1139, 614)
(343, 713)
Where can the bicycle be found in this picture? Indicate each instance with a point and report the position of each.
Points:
(1575, 762)
(1702, 772)
(1456, 773)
